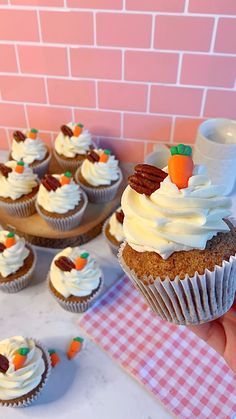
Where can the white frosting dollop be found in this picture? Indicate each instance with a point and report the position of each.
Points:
(116, 228)
(62, 200)
(17, 184)
(12, 259)
(172, 219)
(71, 146)
(28, 150)
(98, 173)
(78, 283)
(14, 384)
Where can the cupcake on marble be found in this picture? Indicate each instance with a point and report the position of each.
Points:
(75, 279)
(25, 367)
(100, 176)
(71, 145)
(17, 262)
(61, 202)
(113, 230)
(18, 188)
(28, 147)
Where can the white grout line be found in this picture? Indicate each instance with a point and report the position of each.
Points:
(17, 59)
(172, 130)
(94, 29)
(123, 65)
(46, 90)
(186, 7)
(73, 114)
(68, 61)
(179, 70)
(148, 98)
(153, 32)
(26, 116)
(39, 27)
(213, 36)
(203, 102)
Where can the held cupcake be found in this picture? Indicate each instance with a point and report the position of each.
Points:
(17, 262)
(18, 188)
(113, 230)
(71, 145)
(28, 147)
(179, 252)
(75, 279)
(61, 202)
(24, 370)
(100, 176)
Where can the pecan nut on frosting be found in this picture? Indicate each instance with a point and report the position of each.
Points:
(5, 170)
(66, 131)
(50, 183)
(146, 179)
(93, 157)
(64, 264)
(2, 247)
(19, 136)
(4, 364)
(120, 216)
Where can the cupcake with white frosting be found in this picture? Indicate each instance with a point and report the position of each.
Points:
(17, 262)
(61, 202)
(99, 175)
(24, 370)
(18, 188)
(75, 279)
(71, 145)
(28, 147)
(113, 230)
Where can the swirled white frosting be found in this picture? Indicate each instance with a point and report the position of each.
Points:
(17, 184)
(14, 384)
(12, 259)
(71, 146)
(97, 174)
(28, 150)
(62, 200)
(116, 228)
(78, 283)
(173, 219)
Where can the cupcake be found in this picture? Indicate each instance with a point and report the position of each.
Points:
(17, 262)
(100, 176)
(18, 188)
(113, 230)
(75, 279)
(61, 202)
(179, 250)
(24, 370)
(71, 145)
(28, 147)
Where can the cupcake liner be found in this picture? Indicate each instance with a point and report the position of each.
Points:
(65, 223)
(71, 165)
(112, 246)
(192, 300)
(100, 195)
(25, 401)
(74, 306)
(20, 209)
(41, 168)
(18, 284)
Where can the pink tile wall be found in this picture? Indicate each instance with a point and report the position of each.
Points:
(135, 72)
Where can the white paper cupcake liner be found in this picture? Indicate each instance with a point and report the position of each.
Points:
(41, 168)
(73, 306)
(100, 195)
(25, 401)
(20, 209)
(112, 246)
(192, 300)
(65, 223)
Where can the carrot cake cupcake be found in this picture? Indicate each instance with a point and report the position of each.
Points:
(113, 230)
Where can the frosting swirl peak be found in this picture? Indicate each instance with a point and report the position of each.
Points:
(99, 173)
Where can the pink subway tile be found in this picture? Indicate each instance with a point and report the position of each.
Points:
(8, 58)
(12, 115)
(100, 122)
(68, 27)
(122, 96)
(150, 147)
(151, 66)
(220, 104)
(18, 24)
(218, 7)
(71, 92)
(147, 127)
(208, 70)
(48, 118)
(3, 139)
(124, 30)
(156, 5)
(96, 63)
(183, 33)
(2, 2)
(43, 60)
(226, 36)
(185, 130)
(41, 3)
(22, 89)
(95, 4)
(125, 150)
(176, 100)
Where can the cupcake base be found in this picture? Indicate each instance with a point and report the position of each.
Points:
(114, 245)
(22, 207)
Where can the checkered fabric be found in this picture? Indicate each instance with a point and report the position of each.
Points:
(187, 376)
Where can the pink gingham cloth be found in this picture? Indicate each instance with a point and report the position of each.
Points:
(186, 375)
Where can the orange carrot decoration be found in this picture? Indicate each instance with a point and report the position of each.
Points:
(81, 261)
(104, 156)
(20, 358)
(33, 133)
(180, 165)
(10, 240)
(75, 347)
(78, 129)
(66, 178)
(54, 357)
(20, 167)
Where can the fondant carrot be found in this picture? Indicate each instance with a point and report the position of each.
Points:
(33, 133)
(180, 165)
(104, 156)
(10, 240)
(20, 358)
(54, 357)
(66, 178)
(78, 129)
(75, 347)
(19, 167)
(81, 261)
